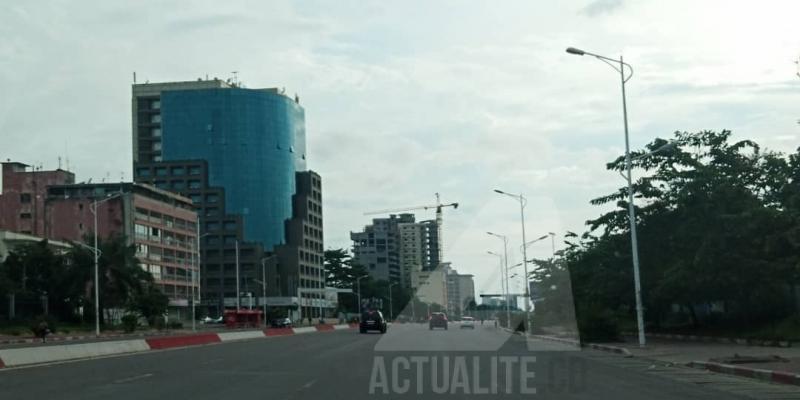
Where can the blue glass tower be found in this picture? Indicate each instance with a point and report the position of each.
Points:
(253, 141)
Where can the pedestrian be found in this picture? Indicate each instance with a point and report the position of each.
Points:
(44, 330)
(495, 324)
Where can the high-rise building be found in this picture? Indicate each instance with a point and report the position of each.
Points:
(236, 153)
(460, 291)
(300, 261)
(377, 247)
(394, 248)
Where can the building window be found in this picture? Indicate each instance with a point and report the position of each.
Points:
(161, 171)
(156, 119)
(178, 171)
(157, 146)
(230, 225)
(25, 216)
(194, 184)
(156, 132)
(157, 158)
(178, 185)
(212, 211)
(196, 198)
(25, 198)
(143, 171)
(161, 184)
(212, 226)
(194, 170)
(155, 105)
(80, 226)
(212, 198)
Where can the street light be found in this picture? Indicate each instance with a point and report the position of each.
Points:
(631, 211)
(93, 209)
(522, 202)
(358, 283)
(238, 293)
(553, 240)
(539, 239)
(504, 276)
(391, 310)
(264, 285)
(196, 274)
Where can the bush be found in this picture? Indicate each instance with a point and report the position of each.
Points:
(34, 324)
(598, 326)
(129, 322)
(175, 325)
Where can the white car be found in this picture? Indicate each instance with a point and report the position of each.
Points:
(467, 323)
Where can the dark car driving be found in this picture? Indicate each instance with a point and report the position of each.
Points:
(437, 320)
(372, 321)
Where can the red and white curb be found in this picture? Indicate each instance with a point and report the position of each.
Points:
(612, 349)
(760, 374)
(23, 356)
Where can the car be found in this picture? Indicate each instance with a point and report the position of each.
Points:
(372, 321)
(209, 320)
(437, 320)
(281, 323)
(467, 323)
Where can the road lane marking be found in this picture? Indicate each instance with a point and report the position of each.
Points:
(132, 378)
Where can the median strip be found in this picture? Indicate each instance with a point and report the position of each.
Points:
(23, 356)
(786, 378)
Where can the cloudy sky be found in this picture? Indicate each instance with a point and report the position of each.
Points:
(407, 98)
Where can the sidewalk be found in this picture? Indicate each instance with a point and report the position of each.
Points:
(684, 352)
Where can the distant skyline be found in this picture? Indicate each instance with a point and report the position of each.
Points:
(408, 99)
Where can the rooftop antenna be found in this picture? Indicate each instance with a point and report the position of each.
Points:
(134, 77)
(235, 78)
(59, 162)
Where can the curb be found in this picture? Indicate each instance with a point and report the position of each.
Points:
(611, 349)
(767, 375)
(30, 340)
(715, 339)
(24, 356)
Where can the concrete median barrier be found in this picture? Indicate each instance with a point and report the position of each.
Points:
(46, 354)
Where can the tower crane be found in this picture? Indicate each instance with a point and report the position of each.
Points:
(438, 206)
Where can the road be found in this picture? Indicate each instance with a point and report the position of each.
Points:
(410, 360)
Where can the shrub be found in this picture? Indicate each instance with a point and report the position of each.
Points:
(175, 325)
(129, 322)
(597, 325)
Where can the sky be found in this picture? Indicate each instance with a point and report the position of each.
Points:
(405, 99)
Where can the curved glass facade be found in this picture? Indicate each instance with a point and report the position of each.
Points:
(253, 141)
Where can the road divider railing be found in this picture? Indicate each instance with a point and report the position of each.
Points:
(46, 354)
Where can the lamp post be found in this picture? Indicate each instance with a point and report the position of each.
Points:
(504, 275)
(553, 242)
(358, 284)
(238, 293)
(391, 309)
(93, 209)
(505, 262)
(522, 202)
(264, 285)
(196, 280)
(619, 66)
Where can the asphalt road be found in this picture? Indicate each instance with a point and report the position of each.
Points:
(408, 361)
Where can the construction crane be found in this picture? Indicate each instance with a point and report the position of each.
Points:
(438, 206)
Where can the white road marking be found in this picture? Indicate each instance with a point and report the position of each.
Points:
(133, 378)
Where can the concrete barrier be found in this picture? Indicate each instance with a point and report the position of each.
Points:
(47, 354)
(244, 335)
(182, 341)
(10, 358)
(304, 329)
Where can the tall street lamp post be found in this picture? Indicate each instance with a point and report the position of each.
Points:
(619, 66)
(264, 285)
(358, 284)
(522, 202)
(93, 209)
(505, 264)
(504, 287)
(391, 309)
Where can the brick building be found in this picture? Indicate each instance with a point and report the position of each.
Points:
(22, 196)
